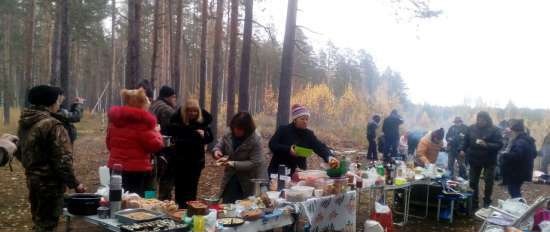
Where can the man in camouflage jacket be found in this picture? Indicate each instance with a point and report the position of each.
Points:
(45, 152)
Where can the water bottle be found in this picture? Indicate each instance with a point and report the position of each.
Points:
(115, 189)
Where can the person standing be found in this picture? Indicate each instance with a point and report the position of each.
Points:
(70, 116)
(390, 127)
(163, 108)
(45, 151)
(283, 143)
(518, 159)
(372, 126)
(545, 152)
(190, 131)
(132, 136)
(240, 152)
(429, 148)
(455, 144)
(482, 144)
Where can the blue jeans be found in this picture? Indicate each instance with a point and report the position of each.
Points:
(514, 190)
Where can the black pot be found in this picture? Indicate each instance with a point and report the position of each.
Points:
(83, 204)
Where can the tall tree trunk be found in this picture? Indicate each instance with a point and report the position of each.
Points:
(112, 80)
(154, 57)
(8, 88)
(176, 77)
(56, 55)
(204, 31)
(133, 67)
(232, 59)
(287, 64)
(167, 57)
(64, 51)
(217, 67)
(29, 46)
(244, 81)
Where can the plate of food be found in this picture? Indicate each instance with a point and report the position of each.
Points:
(128, 216)
(231, 221)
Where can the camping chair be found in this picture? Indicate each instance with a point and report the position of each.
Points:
(500, 218)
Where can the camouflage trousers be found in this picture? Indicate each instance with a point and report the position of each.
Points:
(46, 198)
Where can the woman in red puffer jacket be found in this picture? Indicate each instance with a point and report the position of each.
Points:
(132, 136)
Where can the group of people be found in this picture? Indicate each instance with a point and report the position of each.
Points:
(133, 135)
(142, 128)
(478, 150)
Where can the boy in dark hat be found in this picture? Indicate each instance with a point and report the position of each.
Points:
(45, 152)
(455, 144)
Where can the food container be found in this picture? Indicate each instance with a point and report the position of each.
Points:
(303, 151)
(231, 221)
(128, 216)
(196, 208)
(340, 185)
(83, 204)
(164, 225)
(273, 195)
(294, 195)
(306, 191)
(318, 192)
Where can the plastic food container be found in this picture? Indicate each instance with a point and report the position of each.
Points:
(306, 191)
(294, 195)
(273, 195)
(340, 185)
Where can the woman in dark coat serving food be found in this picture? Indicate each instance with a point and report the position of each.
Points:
(286, 138)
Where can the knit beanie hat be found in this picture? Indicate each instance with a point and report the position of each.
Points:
(44, 95)
(299, 111)
(166, 91)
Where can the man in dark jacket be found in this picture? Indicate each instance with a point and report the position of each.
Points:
(372, 153)
(163, 108)
(517, 160)
(455, 144)
(45, 152)
(482, 144)
(390, 127)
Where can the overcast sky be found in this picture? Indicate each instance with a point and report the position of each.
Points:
(498, 50)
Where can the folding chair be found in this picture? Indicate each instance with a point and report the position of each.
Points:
(500, 218)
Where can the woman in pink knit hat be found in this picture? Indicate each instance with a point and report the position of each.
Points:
(286, 138)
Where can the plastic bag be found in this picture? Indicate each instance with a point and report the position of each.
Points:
(545, 226)
(380, 208)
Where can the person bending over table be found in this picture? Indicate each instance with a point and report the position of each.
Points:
(286, 138)
(429, 147)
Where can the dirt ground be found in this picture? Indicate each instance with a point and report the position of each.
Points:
(90, 153)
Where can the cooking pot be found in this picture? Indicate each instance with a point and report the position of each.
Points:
(83, 204)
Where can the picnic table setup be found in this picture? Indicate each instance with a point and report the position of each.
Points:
(309, 200)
